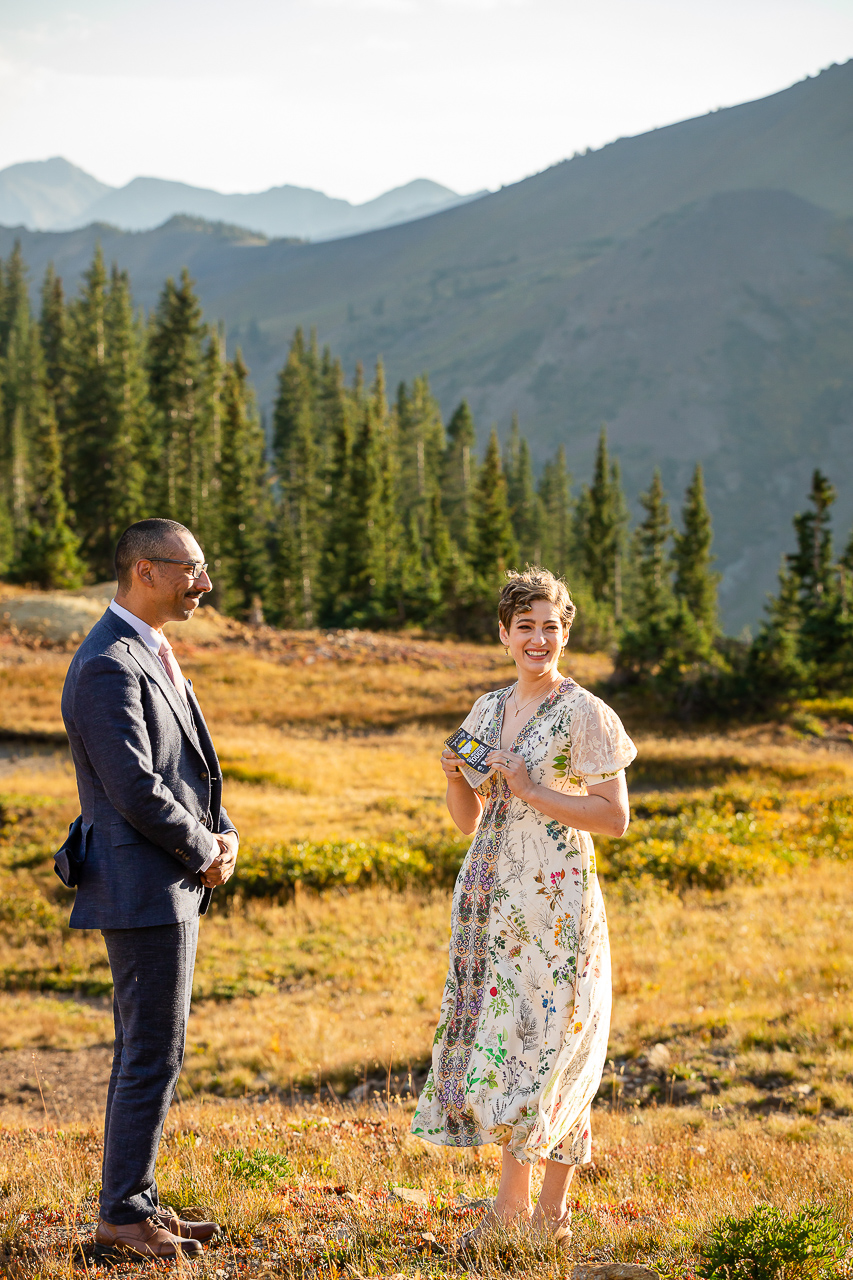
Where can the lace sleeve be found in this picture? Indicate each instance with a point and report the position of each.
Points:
(600, 746)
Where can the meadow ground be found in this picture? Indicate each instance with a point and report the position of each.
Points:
(731, 1074)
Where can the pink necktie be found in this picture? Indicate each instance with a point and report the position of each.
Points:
(173, 671)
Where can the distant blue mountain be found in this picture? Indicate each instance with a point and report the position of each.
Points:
(54, 195)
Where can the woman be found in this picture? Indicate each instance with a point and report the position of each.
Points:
(522, 1035)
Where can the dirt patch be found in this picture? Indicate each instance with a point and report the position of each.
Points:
(60, 1085)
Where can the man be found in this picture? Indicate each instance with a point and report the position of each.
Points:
(155, 842)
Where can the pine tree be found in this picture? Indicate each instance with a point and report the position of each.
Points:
(14, 297)
(600, 530)
(50, 553)
(811, 563)
(493, 548)
(459, 474)
(340, 519)
(176, 363)
(555, 497)
(824, 625)
(54, 338)
(107, 413)
(387, 530)
(695, 583)
(646, 637)
(19, 387)
(422, 442)
(243, 514)
(14, 317)
(354, 585)
(511, 452)
(207, 526)
(58, 359)
(524, 503)
(299, 466)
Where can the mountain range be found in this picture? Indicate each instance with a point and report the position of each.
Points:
(692, 287)
(54, 195)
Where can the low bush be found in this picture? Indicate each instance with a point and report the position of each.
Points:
(255, 1168)
(713, 838)
(769, 1244)
(272, 871)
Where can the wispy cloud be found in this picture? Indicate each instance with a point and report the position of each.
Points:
(368, 6)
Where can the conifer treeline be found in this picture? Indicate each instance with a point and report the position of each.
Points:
(357, 510)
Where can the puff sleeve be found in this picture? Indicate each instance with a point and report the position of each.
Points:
(600, 746)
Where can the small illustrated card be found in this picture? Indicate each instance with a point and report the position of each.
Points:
(472, 753)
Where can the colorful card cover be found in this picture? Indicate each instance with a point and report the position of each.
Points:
(472, 752)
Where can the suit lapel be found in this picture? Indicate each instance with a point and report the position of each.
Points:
(204, 738)
(149, 661)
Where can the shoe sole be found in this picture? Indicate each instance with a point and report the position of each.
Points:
(121, 1252)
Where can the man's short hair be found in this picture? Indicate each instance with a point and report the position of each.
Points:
(145, 540)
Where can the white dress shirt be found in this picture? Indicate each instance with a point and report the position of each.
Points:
(154, 639)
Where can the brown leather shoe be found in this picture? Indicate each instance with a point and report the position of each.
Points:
(202, 1231)
(146, 1239)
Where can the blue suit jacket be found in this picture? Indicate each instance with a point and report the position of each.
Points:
(149, 781)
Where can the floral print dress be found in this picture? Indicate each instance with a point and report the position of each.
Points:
(522, 1035)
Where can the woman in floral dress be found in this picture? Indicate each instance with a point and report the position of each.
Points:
(522, 1035)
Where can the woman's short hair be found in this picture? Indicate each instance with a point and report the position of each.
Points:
(535, 583)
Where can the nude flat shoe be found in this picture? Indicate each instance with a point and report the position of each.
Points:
(559, 1229)
(489, 1225)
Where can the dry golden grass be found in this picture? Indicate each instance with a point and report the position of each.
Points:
(746, 991)
(305, 684)
(752, 982)
(324, 1198)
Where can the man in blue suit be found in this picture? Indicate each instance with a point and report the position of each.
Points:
(155, 842)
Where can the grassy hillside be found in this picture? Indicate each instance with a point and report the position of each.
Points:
(691, 286)
(730, 1078)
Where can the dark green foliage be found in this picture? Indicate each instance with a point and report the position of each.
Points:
(769, 1244)
(805, 645)
(363, 513)
(242, 498)
(107, 415)
(458, 474)
(555, 489)
(601, 521)
(298, 453)
(525, 506)
(255, 1168)
(811, 563)
(181, 444)
(695, 582)
(493, 548)
(648, 628)
(49, 554)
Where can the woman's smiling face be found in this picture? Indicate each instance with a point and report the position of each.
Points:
(535, 639)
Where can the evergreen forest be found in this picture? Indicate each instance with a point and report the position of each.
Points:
(359, 507)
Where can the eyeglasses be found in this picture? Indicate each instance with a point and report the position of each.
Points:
(195, 565)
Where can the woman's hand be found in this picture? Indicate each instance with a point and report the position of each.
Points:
(514, 769)
(463, 803)
(450, 765)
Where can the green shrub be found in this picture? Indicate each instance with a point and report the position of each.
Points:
(768, 1244)
(269, 871)
(255, 1167)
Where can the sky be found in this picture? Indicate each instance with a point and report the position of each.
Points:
(353, 97)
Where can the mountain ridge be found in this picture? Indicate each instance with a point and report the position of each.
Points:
(54, 195)
(692, 287)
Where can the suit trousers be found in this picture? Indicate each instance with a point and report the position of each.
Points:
(152, 971)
